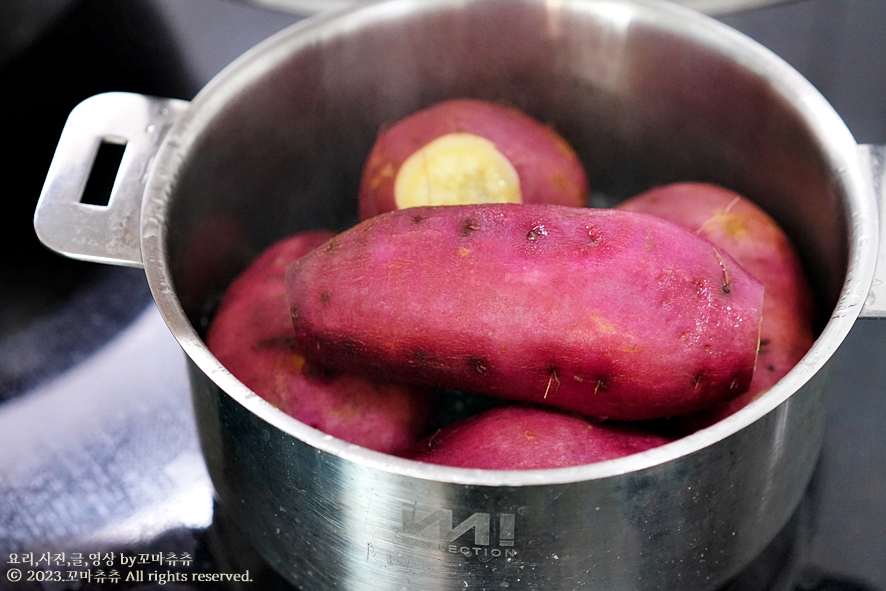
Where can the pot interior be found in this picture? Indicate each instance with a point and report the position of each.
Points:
(646, 94)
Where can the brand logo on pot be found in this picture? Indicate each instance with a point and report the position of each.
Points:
(483, 535)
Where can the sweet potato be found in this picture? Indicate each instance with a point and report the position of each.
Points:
(758, 244)
(251, 335)
(469, 151)
(606, 313)
(526, 438)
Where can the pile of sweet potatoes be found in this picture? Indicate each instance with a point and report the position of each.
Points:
(479, 268)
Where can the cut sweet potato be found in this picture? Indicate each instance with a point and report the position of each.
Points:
(469, 151)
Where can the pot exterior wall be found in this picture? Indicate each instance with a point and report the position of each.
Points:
(328, 523)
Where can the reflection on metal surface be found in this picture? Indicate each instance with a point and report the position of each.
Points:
(713, 7)
(302, 7)
(874, 158)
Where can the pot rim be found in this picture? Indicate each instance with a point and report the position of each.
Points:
(837, 144)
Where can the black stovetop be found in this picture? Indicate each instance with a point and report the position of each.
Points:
(98, 450)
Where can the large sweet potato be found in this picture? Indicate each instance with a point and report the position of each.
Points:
(755, 240)
(527, 438)
(603, 312)
(251, 335)
(469, 151)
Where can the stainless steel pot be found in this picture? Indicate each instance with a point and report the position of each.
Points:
(307, 7)
(647, 93)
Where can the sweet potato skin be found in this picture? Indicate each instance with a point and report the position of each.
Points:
(548, 168)
(251, 335)
(518, 437)
(606, 313)
(758, 244)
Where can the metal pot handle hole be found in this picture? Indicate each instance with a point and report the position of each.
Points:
(111, 234)
(103, 233)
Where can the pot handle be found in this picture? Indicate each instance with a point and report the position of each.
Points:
(103, 233)
(873, 158)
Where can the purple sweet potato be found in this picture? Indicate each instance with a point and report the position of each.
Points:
(602, 312)
(469, 151)
(527, 438)
(757, 243)
(251, 335)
